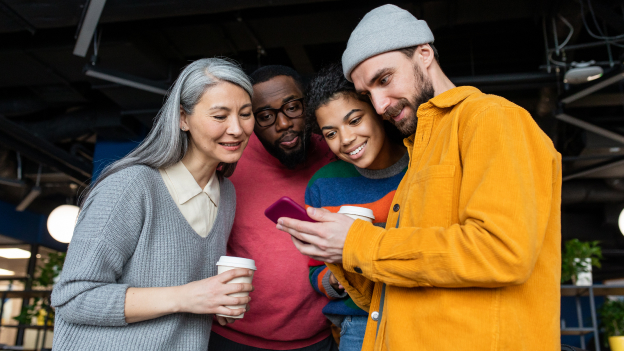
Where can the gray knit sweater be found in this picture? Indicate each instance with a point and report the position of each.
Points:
(130, 233)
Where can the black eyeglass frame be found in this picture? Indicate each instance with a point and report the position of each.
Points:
(278, 110)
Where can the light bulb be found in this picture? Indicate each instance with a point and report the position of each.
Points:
(62, 221)
(14, 253)
(621, 222)
(580, 75)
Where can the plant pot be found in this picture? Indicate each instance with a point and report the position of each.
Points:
(616, 343)
(584, 278)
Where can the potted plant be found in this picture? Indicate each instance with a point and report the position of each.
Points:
(45, 277)
(577, 260)
(612, 321)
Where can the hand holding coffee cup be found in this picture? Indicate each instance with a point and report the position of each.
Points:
(211, 295)
(228, 263)
(354, 212)
(357, 212)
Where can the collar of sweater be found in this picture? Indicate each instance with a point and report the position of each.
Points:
(387, 172)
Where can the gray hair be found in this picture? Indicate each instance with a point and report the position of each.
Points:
(165, 145)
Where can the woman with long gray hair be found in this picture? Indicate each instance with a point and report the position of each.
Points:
(140, 271)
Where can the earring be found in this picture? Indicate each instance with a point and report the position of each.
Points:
(183, 129)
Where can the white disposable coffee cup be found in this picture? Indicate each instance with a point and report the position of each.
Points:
(357, 212)
(227, 263)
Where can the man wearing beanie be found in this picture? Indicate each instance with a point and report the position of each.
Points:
(470, 257)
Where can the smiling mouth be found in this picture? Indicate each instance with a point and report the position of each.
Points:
(231, 146)
(399, 116)
(357, 151)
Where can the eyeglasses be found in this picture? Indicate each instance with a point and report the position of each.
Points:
(291, 109)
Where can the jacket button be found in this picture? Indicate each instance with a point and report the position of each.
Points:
(396, 208)
(375, 316)
(357, 270)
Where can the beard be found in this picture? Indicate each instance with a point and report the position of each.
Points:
(290, 158)
(424, 92)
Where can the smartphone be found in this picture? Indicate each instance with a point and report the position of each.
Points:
(287, 207)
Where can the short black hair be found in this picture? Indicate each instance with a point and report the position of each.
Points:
(267, 73)
(409, 51)
(328, 85)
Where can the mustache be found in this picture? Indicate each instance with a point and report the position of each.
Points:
(288, 134)
(395, 109)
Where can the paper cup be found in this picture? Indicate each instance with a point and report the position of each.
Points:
(228, 262)
(356, 212)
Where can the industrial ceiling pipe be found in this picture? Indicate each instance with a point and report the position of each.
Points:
(74, 124)
(39, 150)
(19, 105)
(589, 191)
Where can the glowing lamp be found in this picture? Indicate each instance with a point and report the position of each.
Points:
(621, 222)
(62, 221)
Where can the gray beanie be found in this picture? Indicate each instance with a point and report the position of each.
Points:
(383, 29)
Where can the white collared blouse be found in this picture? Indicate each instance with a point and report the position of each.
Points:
(198, 206)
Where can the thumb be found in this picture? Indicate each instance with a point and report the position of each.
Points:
(318, 214)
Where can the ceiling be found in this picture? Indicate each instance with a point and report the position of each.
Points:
(52, 114)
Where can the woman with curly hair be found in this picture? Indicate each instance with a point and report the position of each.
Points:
(371, 163)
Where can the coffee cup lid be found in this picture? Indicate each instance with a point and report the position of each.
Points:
(356, 210)
(238, 262)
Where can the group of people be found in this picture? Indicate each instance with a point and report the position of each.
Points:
(463, 253)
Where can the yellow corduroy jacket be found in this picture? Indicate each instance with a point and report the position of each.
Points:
(475, 260)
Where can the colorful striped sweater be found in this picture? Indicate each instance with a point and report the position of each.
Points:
(342, 184)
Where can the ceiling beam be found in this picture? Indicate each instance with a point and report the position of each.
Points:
(601, 167)
(32, 195)
(599, 85)
(590, 127)
(125, 79)
(511, 78)
(17, 18)
(88, 25)
(27, 144)
(12, 182)
(609, 99)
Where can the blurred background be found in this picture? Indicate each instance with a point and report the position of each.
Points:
(81, 81)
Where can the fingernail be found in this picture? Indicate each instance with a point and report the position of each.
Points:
(279, 226)
(280, 221)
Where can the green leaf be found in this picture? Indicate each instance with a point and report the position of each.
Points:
(43, 278)
(575, 248)
(612, 318)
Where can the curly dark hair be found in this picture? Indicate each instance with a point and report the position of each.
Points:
(330, 84)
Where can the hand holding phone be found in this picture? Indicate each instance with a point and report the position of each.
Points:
(287, 207)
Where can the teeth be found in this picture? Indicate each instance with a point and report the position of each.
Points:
(355, 152)
(234, 144)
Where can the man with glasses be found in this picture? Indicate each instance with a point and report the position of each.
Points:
(281, 157)
(283, 140)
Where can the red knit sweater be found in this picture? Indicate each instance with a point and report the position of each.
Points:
(284, 312)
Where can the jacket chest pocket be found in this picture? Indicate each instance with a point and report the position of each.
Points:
(431, 196)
